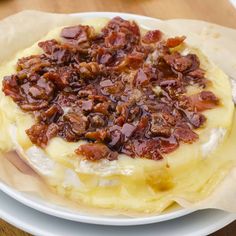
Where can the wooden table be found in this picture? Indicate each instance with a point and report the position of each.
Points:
(220, 12)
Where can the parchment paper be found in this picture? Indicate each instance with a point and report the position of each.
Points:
(26, 27)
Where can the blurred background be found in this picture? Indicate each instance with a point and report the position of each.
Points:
(217, 11)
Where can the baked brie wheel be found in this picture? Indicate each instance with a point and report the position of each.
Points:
(116, 117)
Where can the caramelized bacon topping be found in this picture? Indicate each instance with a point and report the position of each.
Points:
(204, 100)
(152, 36)
(121, 92)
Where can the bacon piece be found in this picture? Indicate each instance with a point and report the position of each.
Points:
(152, 36)
(195, 62)
(61, 78)
(135, 60)
(204, 100)
(40, 134)
(113, 88)
(35, 106)
(99, 135)
(134, 114)
(65, 99)
(116, 138)
(105, 59)
(61, 54)
(198, 73)
(77, 122)
(159, 126)
(87, 105)
(195, 119)
(168, 145)
(36, 92)
(97, 120)
(58, 52)
(141, 79)
(122, 110)
(106, 83)
(147, 149)
(103, 56)
(87, 93)
(120, 120)
(128, 130)
(48, 46)
(51, 115)
(118, 24)
(42, 90)
(174, 42)
(182, 63)
(96, 151)
(65, 131)
(89, 70)
(77, 34)
(97, 98)
(102, 108)
(115, 39)
(11, 88)
(169, 82)
(73, 32)
(142, 126)
(33, 63)
(185, 134)
(178, 62)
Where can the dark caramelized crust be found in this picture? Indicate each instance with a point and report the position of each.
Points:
(122, 92)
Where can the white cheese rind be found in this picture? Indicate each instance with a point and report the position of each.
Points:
(216, 136)
(40, 161)
(233, 84)
(71, 179)
(103, 168)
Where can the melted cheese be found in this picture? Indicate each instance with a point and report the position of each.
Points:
(128, 184)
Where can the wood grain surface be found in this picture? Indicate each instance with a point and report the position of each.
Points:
(216, 11)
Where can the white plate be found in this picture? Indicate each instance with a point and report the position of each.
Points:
(36, 223)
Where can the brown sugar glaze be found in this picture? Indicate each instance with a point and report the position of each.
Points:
(120, 91)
